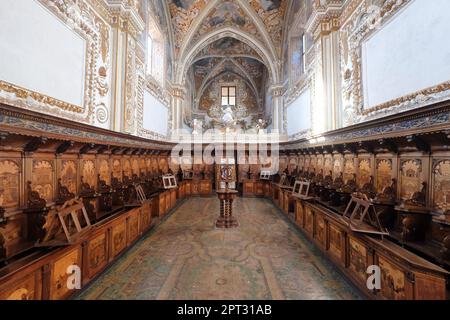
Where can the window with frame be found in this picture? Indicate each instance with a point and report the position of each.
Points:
(304, 53)
(149, 54)
(228, 96)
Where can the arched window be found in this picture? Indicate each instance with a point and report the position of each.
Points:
(149, 54)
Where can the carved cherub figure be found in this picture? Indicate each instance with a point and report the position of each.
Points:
(338, 181)
(369, 188)
(388, 193)
(34, 199)
(328, 180)
(418, 199)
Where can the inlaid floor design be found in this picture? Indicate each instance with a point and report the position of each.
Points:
(187, 258)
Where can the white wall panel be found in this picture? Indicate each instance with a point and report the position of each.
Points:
(39, 52)
(299, 114)
(156, 115)
(410, 53)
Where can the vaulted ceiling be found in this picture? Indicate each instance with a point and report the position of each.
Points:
(257, 23)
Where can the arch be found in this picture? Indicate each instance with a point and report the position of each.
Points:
(186, 60)
(246, 77)
(211, 80)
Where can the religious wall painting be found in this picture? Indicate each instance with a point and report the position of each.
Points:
(104, 171)
(384, 174)
(411, 177)
(43, 179)
(441, 186)
(364, 172)
(68, 175)
(88, 173)
(9, 184)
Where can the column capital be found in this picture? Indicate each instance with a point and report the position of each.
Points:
(277, 90)
(178, 91)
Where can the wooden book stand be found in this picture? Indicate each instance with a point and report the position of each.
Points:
(301, 190)
(140, 193)
(363, 208)
(169, 182)
(67, 218)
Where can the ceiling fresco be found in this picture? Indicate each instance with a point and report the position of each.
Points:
(191, 22)
(272, 13)
(228, 47)
(228, 14)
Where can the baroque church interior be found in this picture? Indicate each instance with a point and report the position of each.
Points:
(224, 149)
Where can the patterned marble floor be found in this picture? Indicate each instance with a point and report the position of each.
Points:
(186, 258)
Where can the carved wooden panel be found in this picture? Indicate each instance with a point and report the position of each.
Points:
(59, 275)
(301, 162)
(259, 188)
(142, 166)
(97, 254)
(88, 172)
(349, 168)
(146, 216)
(441, 185)
(188, 188)
(10, 184)
(104, 170)
(338, 165)
(299, 213)
(68, 175)
(154, 165)
(43, 179)
(364, 171)
(336, 242)
(392, 280)
(27, 287)
(162, 204)
(118, 238)
(358, 259)
(384, 174)
(327, 164)
(321, 229)
(148, 165)
(135, 166)
(309, 220)
(127, 171)
(428, 287)
(307, 165)
(319, 163)
(15, 235)
(313, 163)
(163, 164)
(411, 177)
(117, 169)
(168, 202)
(133, 226)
